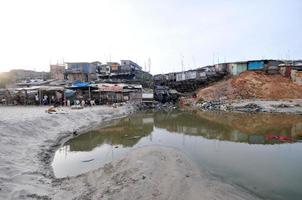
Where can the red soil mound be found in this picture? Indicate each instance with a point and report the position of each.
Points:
(250, 85)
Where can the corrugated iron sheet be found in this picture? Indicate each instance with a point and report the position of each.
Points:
(110, 88)
(255, 65)
(180, 76)
(190, 75)
(236, 68)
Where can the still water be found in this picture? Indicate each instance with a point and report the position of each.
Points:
(259, 152)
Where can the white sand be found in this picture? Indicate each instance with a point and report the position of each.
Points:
(28, 136)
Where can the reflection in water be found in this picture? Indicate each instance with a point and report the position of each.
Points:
(223, 143)
(236, 127)
(123, 133)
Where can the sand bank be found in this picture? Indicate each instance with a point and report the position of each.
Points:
(152, 172)
(29, 137)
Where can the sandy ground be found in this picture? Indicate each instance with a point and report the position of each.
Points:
(29, 138)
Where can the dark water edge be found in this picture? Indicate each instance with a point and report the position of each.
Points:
(259, 152)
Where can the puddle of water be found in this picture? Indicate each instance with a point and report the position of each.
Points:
(260, 152)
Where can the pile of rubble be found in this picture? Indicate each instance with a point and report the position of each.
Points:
(224, 106)
(212, 105)
(251, 107)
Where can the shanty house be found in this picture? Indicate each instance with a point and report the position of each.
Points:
(201, 74)
(236, 68)
(81, 71)
(57, 72)
(255, 65)
(210, 71)
(299, 77)
(180, 76)
(191, 74)
(221, 68)
(172, 77)
(113, 93)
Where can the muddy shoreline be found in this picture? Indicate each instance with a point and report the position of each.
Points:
(293, 107)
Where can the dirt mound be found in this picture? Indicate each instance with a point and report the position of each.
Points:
(250, 85)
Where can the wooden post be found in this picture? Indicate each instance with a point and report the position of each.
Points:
(40, 96)
(89, 93)
(25, 101)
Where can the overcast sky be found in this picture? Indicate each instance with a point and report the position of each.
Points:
(35, 33)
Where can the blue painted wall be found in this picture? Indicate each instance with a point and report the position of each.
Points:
(255, 65)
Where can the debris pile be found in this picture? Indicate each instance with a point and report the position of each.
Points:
(212, 105)
(251, 107)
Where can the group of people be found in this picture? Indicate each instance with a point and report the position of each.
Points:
(46, 100)
(82, 102)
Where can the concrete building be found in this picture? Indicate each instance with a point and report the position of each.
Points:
(21, 75)
(115, 68)
(103, 70)
(128, 65)
(81, 71)
(57, 72)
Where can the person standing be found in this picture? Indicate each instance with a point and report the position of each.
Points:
(53, 99)
(45, 99)
(37, 99)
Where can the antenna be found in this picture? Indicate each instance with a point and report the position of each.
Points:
(149, 64)
(194, 63)
(182, 62)
(213, 57)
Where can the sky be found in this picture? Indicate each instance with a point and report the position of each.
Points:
(35, 33)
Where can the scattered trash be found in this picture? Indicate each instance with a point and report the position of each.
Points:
(134, 137)
(251, 107)
(88, 160)
(281, 138)
(76, 107)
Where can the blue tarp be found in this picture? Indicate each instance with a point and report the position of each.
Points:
(79, 84)
(69, 93)
(255, 65)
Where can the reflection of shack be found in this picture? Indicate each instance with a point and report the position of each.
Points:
(114, 93)
(127, 132)
(256, 139)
